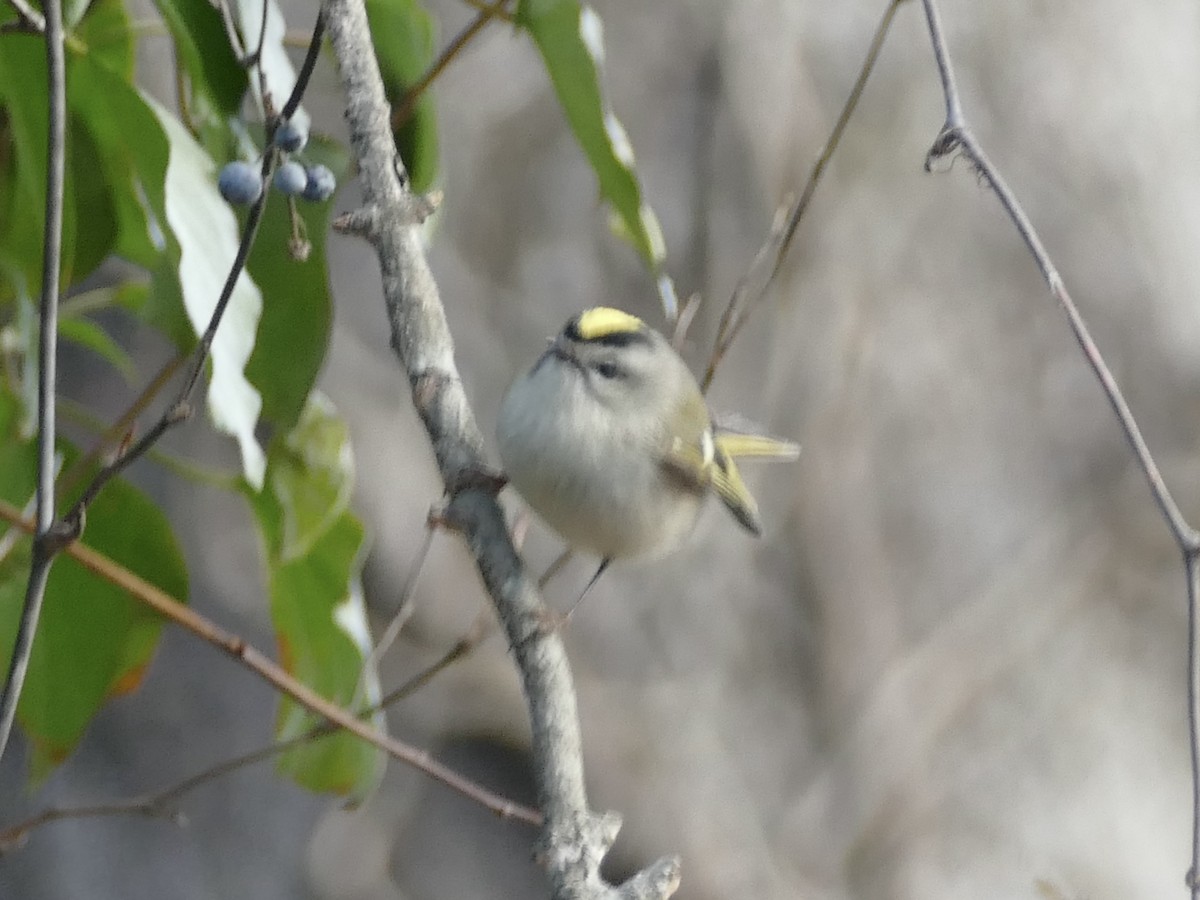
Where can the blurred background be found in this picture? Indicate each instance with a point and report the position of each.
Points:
(954, 666)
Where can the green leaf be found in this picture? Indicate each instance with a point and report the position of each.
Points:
(23, 102)
(314, 549)
(163, 307)
(72, 12)
(131, 295)
(90, 335)
(320, 622)
(173, 222)
(204, 52)
(312, 477)
(130, 153)
(106, 33)
(293, 334)
(90, 193)
(207, 234)
(99, 205)
(18, 454)
(403, 34)
(93, 640)
(569, 35)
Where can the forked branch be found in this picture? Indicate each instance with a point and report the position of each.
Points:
(956, 138)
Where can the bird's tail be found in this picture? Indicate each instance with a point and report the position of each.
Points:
(727, 480)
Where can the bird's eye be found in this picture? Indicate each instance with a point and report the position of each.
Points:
(607, 369)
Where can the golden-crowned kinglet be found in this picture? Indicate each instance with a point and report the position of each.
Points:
(609, 439)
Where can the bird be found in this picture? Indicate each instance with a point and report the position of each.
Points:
(608, 438)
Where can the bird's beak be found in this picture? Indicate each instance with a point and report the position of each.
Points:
(559, 348)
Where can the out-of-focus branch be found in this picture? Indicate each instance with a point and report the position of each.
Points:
(956, 137)
(408, 102)
(29, 19)
(747, 294)
(574, 839)
(116, 433)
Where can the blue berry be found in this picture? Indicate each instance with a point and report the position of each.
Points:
(290, 179)
(240, 183)
(290, 137)
(321, 184)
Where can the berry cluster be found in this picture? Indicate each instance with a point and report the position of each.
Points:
(241, 182)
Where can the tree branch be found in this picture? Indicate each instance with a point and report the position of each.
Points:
(180, 409)
(574, 839)
(48, 538)
(30, 19)
(404, 109)
(956, 137)
(746, 296)
(273, 674)
(120, 429)
(159, 804)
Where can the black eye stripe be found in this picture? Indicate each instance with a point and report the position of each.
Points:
(606, 369)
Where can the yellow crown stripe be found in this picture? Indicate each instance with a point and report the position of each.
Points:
(594, 324)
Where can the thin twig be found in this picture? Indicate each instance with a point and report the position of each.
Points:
(743, 302)
(182, 93)
(306, 68)
(231, 32)
(481, 629)
(554, 568)
(44, 544)
(482, 5)
(261, 665)
(11, 537)
(687, 313)
(180, 409)
(80, 304)
(404, 611)
(956, 137)
(30, 18)
(78, 413)
(117, 432)
(15, 837)
(404, 108)
(159, 804)
(1191, 562)
(256, 57)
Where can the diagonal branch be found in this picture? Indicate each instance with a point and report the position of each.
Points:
(404, 109)
(574, 839)
(186, 617)
(160, 804)
(746, 295)
(30, 19)
(180, 409)
(956, 137)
